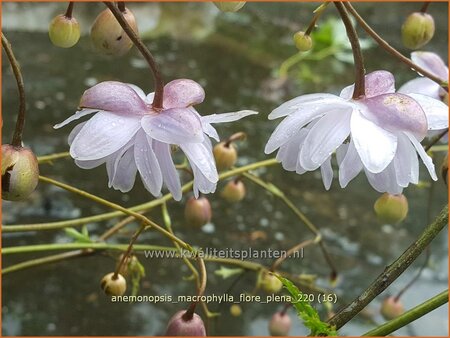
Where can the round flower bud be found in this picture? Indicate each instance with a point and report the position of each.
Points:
(107, 35)
(235, 310)
(197, 212)
(444, 169)
(280, 324)
(391, 209)
(20, 172)
(113, 287)
(270, 283)
(63, 31)
(302, 41)
(391, 308)
(229, 6)
(417, 30)
(234, 191)
(181, 326)
(225, 155)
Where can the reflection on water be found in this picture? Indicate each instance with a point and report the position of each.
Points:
(234, 57)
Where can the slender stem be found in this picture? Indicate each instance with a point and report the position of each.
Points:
(121, 6)
(317, 13)
(240, 136)
(293, 250)
(128, 252)
(109, 204)
(142, 207)
(425, 6)
(409, 316)
(360, 72)
(387, 47)
(111, 231)
(159, 83)
(436, 139)
(52, 157)
(69, 10)
(391, 273)
(18, 131)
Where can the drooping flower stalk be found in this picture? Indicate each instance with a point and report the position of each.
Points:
(159, 83)
(18, 131)
(387, 47)
(69, 10)
(425, 6)
(359, 90)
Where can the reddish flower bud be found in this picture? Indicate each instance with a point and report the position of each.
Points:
(391, 308)
(280, 324)
(179, 325)
(197, 212)
(225, 155)
(234, 191)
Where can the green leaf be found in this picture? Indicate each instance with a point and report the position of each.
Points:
(306, 312)
(77, 236)
(226, 272)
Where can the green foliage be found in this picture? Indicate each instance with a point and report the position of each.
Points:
(137, 271)
(227, 272)
(306, 312)
(79, 237)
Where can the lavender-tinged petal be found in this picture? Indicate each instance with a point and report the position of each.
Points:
(406, 163)
(91, 164)
(75, 132)
(200, 155)
(182, 93)
(341, 151)
(113, 161)
(125, 171)
(421, 85)
(228, 117)
(350, 166)
(288, 153)
(138, 91)
(396, 112)
(430, 62)
(79, 114)
(103, 135)
(173, 126)
(115, 97)
(168, 170)
(147, 164)
(385, 181)
(377, 83)
(423, 155)
(304, 103)
(327, 134)
(201, 183)
(435, 110)
(291, 125)
(327, 173)
(376, 146)
(210, 131)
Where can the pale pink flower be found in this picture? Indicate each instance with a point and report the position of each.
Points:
(380, 133)
(129, 136)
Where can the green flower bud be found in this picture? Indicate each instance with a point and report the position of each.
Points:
(391, 308)
(113, 286)
(229, 6)
(225, 155)
(64, 32)
(197, 212)
(107, 35)
(20, 172)
(270, 283)
(417, 30)
(280, 324)
(391, 209)
(235, 310)
(302, 41)
(234, 191)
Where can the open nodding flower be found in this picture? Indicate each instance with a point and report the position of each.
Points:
(130, 136)
(379, 133)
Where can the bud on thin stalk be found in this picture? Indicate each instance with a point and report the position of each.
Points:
(229, 6)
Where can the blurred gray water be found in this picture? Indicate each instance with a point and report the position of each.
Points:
(235, 58)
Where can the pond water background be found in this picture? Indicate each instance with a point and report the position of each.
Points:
(235, 58)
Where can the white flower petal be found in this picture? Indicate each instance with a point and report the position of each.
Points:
(350, 166)
(102, 135)
(76, 116)
(168, 170)
(201, 156)
(125, 171)
(376, 147)
(327, 134)
(431, 62)
(210, 131)
(304, 103)
(227, 117)
(75, 132)
(202, 183)
(421, 85)
(289, 152)
(173, 126)
(327, 173)
(406, 163)
(385, 181)
(147, 164)
(91, 164)
(423, 155)
(435, 110)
